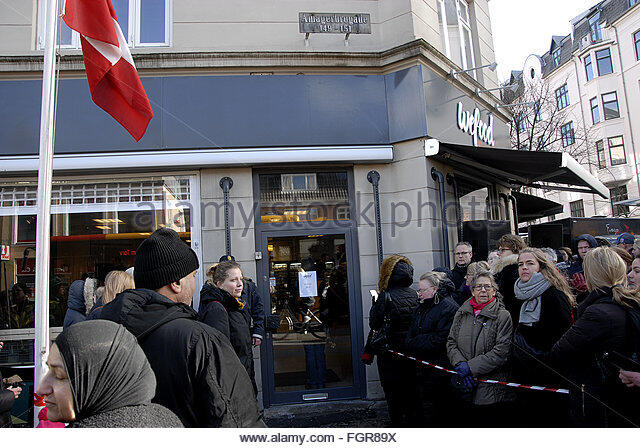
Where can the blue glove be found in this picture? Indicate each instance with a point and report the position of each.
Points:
(462, 369)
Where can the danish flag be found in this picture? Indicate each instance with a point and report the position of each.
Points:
(113, 79)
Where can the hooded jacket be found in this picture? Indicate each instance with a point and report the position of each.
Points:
(228, 315)
(505, 272)
(76, 308)
(484, 342)
(431, 323)
(198, 374)
(396, 277)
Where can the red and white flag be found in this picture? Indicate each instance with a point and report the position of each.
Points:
(113, 79)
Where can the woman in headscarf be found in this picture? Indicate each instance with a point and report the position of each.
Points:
(397, 302)
(99, 377)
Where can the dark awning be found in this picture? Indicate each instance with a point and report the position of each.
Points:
(532, 207)
(558, 171)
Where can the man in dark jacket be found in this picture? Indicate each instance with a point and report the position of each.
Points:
(463, 253)
(7, 397)
(575, 272)
(199, 375)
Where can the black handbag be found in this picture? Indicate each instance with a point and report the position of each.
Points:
(379, 340)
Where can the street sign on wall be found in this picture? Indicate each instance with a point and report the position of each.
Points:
(4, 252)
(321, 22)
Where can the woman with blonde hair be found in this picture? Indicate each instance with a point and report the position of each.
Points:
(426, 340)
(546, 313)
(114, 283)
(598, 398)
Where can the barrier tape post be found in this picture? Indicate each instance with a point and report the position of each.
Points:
(503, 383)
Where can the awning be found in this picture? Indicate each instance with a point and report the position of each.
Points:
(532, 207)
(558, 171)
(629, 202)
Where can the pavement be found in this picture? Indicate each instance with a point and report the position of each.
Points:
(329, 414)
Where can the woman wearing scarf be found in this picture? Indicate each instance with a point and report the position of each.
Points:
(478, 347)
(99, 377)
(545, 314)
(222, 308)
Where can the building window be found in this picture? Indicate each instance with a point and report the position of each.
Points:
(537, 107)
(556, 56)
(610, 105)
(521, 123)
(541, 143)
(299, 182)
(616, 151)
(562, 97)
(602, 161)
(577, 209)
(633, 2)
(144, 23)
(603, 61)
(455, 32)
(594, 28)
(595, 111)
(636, 40)
(588, 67)
(618, 194)
(567, 134)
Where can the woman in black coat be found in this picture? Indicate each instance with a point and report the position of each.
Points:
(398, 375)
(99, 377)
(598, 398)
(8, 397)
(426, 340)
(545, 313)
(222, 307)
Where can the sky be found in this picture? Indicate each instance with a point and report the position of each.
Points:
(524, 27)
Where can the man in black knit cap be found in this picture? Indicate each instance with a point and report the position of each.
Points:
(199, 377)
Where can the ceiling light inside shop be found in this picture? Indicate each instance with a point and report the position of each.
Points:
(103, 227)
(108, 221)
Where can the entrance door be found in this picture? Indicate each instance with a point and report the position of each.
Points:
(309, 280)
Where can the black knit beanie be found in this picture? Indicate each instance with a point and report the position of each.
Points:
(163, 258)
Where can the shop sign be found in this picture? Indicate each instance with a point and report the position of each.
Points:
(318, 22)
(471, 123)
(4, 252)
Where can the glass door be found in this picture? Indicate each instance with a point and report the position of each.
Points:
(310, 282)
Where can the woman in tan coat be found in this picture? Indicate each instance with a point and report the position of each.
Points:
(478, 347)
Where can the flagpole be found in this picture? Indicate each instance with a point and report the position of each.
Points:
(45, 174)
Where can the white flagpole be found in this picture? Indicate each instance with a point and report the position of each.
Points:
(45, 173)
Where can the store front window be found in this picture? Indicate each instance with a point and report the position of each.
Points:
(95, 228)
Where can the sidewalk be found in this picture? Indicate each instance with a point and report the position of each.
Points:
(331, 414)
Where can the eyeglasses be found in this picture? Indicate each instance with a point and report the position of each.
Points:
(462, 253)
(485, 287)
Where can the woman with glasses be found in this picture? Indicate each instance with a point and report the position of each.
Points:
(478, 347)
(427, 340)
(545, 314)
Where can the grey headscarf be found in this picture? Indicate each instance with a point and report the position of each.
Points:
(107, 368)
(530, 292)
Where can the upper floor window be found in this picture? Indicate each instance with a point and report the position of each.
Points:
(595, 110)
(616, 151)
(144, 23)
(594, 28)
(603, 61)
(562, 97)
(618, 194)
(577, 208)
(636, 41)
(602, 160)
(537, 108)
(556, 56)
(633, 2)
(610, 105)
(521, 123)
(588, 67)
(455, 32)
(567, 134)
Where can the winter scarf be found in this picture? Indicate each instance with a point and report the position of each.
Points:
(477, 307)
(107, 369)
(530, 292)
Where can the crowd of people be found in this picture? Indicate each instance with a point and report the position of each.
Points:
(528, 316)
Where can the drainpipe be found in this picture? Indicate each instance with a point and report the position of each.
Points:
(226, 183)
(451, 180)
(374, 178)
(514, 207)
(626, 102)
(439, 178)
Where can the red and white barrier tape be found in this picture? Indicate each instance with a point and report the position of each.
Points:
(517, 385)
